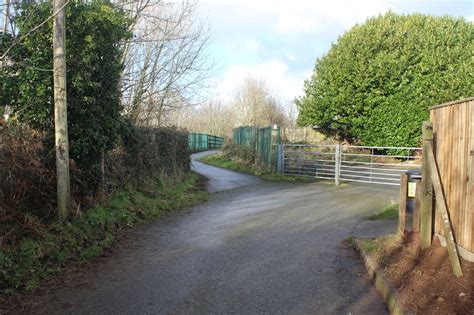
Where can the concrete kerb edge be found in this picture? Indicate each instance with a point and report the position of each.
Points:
(389, 294)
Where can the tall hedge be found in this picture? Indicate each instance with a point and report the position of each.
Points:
(94, 33)
(378, 80)
(28, 182)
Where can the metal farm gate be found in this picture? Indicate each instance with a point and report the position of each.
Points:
(378, 165)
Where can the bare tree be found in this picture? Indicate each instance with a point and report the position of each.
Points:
(255, 106)
(213, 117)
(291, 114)
(165, 61)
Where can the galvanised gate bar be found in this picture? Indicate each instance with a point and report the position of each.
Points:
(377, 165)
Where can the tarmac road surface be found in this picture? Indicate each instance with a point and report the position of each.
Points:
(255, 247)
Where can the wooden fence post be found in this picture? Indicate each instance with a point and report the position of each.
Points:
(442, 208)
(402, 210)
(279, 158)
(337, 167)
(275, 141)
(426, 212)
(417, 209)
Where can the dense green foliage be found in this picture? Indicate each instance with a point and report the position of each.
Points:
(94, 31)
(150, 152)
(146, 170)
(50, 248)
(28, 184)
(377, 81)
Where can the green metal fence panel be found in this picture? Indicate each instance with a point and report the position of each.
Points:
(202, 141)
(215, 142)
(260, 141)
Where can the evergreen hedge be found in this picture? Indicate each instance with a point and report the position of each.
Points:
(378, 80)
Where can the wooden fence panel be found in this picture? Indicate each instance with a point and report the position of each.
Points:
(454, 146)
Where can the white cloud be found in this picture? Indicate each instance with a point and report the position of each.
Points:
(291, 56)
(252, 46)
(303, 16)
(293, 32)
(281, 81)
(244, 46)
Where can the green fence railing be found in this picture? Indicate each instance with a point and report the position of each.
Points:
(260, 141)
(202, 141)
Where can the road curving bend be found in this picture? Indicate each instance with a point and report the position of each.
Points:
(255, 247)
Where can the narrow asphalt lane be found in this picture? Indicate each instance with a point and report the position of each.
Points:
(221, 179)
(256, 247)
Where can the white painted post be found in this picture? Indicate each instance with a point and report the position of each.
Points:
(337, 167)
(279, 158)
(282, 158)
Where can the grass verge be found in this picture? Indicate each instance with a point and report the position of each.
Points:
(44, 250)
(222, 161)
(388, 213)
(379, 247)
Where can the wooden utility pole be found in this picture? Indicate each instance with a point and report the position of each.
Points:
(6, 16)
(60, 108)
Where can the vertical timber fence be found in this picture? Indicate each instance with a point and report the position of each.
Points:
(202, 141)
(453, 148)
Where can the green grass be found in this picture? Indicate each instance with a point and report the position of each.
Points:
(376, 245)
(222, 161)
(388, 213)
(369, 246)
(380, 247)
(46, 250)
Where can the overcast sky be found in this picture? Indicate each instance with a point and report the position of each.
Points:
(279, 41)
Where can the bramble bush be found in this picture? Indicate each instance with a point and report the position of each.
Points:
(377, 81)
